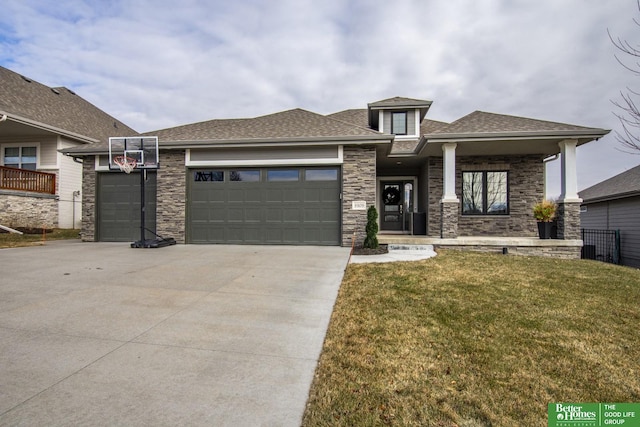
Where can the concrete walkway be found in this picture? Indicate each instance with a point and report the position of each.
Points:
(102, 334)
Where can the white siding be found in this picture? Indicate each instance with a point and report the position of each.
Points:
(48, 154)
(69, 180)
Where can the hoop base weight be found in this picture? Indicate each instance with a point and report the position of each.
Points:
(154, 243)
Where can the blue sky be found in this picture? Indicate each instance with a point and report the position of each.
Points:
(158, 63)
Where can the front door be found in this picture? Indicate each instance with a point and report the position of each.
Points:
(396, 205)
(392, 206)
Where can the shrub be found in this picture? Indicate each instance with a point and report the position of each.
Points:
(371, 241)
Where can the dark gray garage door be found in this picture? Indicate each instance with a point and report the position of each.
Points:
(118, 206)
(295, 206)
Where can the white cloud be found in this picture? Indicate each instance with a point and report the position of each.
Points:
(156, 64)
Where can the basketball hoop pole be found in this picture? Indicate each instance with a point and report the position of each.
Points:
(143, 172)
(138, 152)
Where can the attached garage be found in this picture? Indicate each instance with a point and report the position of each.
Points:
(118, 206)
(289, 205)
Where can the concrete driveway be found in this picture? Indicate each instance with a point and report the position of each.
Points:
(102, 334)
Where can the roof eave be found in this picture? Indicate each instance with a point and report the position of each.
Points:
(43, 126)
(248, 143)
(610, 197)
(496, 136)
(267, 142)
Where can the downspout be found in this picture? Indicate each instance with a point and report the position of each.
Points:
(544, 172)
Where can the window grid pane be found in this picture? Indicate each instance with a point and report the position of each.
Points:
(283, 175)
(496, 192)
(321, 175)
(472, 191)
(244, 176)
(399, 123)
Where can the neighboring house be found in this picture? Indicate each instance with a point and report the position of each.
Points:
(297, 177)
(614, 204)
(40, 187)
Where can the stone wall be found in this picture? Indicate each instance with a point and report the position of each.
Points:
(449, 225)
(559, 252)
(526, 187)
(568, 215)
(88, 229)
(358, 184)
(434, 213)
(29, 210)
(171, 196)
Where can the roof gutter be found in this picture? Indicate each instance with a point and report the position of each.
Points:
(23, 120)
(273, 142)
(500, 136)
(610, 197)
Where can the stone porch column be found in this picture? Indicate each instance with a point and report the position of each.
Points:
(449, 203)
(568, 214)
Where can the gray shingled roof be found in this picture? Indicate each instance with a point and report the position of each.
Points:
(296, 123)
(480, 122)
(358, 117)
(625, 184)
(430, 126)
(399, 102)
(56, 107)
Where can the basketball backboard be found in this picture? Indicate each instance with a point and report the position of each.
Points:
(144, 149)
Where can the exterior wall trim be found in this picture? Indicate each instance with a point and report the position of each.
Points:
(338, 160)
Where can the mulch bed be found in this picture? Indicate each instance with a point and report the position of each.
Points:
(382, 249)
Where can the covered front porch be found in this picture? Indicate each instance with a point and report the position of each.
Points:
(477, 191)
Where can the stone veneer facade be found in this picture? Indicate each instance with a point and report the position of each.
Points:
(88, 229)
(171, 196)
(358, 184)
(29, 210)
(568, 215)
(526, 187)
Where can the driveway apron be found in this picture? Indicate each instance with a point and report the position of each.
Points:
(102, 334)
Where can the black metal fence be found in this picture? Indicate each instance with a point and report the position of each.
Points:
(601, 245)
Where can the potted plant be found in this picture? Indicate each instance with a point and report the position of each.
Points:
(544, 212)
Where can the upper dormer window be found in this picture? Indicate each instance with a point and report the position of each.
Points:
(399, 123)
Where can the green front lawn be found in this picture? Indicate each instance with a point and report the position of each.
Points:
(469, 339)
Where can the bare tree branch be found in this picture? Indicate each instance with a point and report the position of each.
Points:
(628, 112)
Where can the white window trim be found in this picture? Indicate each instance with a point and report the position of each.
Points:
(21, 144)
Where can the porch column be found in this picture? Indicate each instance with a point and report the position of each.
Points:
(568, 214)
(449, 203)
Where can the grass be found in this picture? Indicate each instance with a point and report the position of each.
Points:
(12, 240)
(470, 339)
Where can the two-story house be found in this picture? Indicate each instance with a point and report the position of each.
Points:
(40, 187)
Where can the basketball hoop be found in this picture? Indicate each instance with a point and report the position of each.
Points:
(126, 164)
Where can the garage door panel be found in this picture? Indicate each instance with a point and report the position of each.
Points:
(292, 215)
(118, 206)
(266, 211)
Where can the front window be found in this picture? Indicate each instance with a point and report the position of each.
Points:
(399, 123)
(485, 193)
(21, 157)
